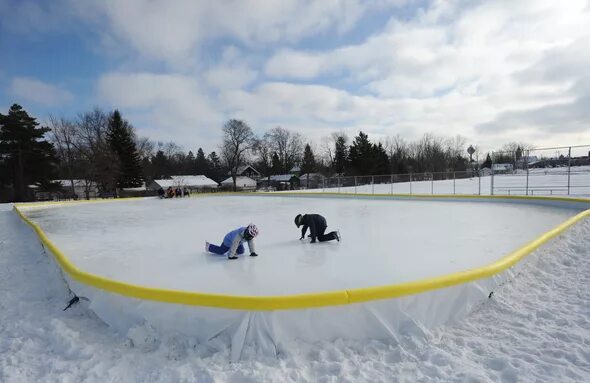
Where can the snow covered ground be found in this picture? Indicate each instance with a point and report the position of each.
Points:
(535, 328)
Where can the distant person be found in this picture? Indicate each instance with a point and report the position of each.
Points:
(178, 193)
(233, 242)
(161, 193)
(169, 192)
(187, 192)
(317, 226)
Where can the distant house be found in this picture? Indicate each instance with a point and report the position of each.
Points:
(503, 168)
(531, 161)
(312, 180)
(192, 183)
(296, 170)
(242, 183)
(83, 189)
(248, 171)
(280, 182)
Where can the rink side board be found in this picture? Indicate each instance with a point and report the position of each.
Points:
(311, 300)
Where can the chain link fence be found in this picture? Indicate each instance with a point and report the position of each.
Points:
(543, 171)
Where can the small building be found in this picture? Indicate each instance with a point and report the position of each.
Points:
(295, 170)
(242, 183)
(280, 182)
(312, 180)
(192, 183)
(248, 171)
(502, 168)
(83, 189)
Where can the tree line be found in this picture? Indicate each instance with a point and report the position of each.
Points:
(102, 148)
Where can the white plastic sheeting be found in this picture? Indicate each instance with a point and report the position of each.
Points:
(270, 331)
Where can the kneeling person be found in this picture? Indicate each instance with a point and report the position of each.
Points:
(233, 242)
(317, 227)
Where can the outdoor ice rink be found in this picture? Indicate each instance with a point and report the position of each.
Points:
(160, 243)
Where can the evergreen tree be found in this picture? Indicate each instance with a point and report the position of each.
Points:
(488, 162)
(340, 155)
(214, 167)
(190, 164)
(201, 164)
(366, 158)
(381, 160)
(161, 165)
(360, 155)
(27, 158)
(277, 167)
(120, 140)
(308, 165)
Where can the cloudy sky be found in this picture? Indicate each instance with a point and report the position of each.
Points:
(492, 71)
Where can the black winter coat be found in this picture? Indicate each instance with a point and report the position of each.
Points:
(316, 223)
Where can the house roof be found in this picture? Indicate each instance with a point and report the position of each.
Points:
(312, 175)
(282, 177)
(240, 180)
(77, 183)
(242, 169)
(189, 181)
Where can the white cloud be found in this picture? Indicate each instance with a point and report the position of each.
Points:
(30, 89)
(167, 107)
(174, 31)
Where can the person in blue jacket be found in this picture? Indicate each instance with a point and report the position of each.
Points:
(317, 227)
(233, 242)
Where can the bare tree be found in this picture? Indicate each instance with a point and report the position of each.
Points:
(398, 152)
(145, 147)
(329, 147)
(287, 145)
(263, 148)
(238, 140)
(100, 164)
(63, 136)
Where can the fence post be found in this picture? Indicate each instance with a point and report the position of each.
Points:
(454, 176)
(392, 184)
(338, 180)
(354, 184)
(527, 171)
(323, 184)
(478, 183)
(569, 165)
(372, 184)
(492, 176)
(410, 183)
(432, 183)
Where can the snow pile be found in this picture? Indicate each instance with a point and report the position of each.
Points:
(535, 328)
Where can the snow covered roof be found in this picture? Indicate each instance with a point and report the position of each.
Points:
(240, 181)
(242, 169)
(502, 166)
(312, 175)
(282, 177)
(77, 183)
(188, 181)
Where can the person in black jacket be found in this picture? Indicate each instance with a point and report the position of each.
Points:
(317, 226)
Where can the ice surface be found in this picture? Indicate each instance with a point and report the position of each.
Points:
(160, 243)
